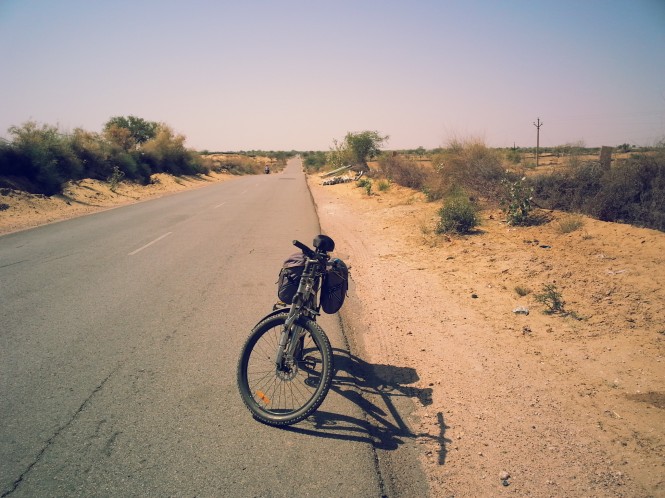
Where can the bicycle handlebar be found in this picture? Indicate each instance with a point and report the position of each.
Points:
(306, 250)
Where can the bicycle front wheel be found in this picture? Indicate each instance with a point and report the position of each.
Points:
(284, 396)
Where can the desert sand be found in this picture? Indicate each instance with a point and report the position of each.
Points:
(543, 405)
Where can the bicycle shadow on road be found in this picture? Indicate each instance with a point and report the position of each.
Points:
(376, 389)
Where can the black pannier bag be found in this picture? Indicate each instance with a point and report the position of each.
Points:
(289, 277)
(335, 285)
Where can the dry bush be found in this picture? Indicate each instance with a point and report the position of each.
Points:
(240, 165)
(570, 223)
(405, 172)
(473, 166)
(631, 191)
(166, 152)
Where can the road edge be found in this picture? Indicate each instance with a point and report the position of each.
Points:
(389, 467)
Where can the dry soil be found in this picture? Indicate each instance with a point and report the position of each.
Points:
(543, 405)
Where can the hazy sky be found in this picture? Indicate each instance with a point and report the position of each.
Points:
(251, 74)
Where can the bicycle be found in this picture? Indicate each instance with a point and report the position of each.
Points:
(286, 365)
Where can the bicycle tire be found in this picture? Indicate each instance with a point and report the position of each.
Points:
(281, 399)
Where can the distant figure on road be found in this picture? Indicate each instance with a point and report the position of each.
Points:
(267, 170)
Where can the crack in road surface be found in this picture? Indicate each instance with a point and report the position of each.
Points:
(59, 431)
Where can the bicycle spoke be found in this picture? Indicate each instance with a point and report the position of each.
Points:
(288, 393)
(293, 389)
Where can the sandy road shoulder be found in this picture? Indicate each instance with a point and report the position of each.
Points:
(502, 401)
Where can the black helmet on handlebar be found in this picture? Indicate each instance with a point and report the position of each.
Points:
(324, 243)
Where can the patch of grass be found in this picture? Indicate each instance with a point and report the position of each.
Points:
(570, 223)
(365, 183)
(384, 185)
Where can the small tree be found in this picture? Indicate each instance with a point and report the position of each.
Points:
(363, 146)
(138, 129)
(339, 155)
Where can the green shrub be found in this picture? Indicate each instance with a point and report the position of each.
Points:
(40, 158)
(457, 215)
(116, 177)
(551, 298)
(516, 201)
(126, 163)
(44, 156)
(94, 152)
(314, 161)
(363, 182)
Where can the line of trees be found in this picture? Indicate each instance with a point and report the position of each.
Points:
(41, 158)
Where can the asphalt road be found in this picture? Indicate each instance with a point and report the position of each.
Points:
(119, 339)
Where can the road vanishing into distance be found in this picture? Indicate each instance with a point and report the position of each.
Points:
(120, 334)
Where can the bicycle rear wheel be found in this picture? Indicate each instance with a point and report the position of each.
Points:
(284, 397)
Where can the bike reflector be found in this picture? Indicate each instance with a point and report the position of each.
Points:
(263, 397)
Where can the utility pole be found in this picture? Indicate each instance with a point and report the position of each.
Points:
(537, 125)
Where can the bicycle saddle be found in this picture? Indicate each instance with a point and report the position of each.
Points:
(324, 243)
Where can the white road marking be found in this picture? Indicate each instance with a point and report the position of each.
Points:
(149, 244)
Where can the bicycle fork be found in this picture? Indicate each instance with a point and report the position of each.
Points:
(288, 341)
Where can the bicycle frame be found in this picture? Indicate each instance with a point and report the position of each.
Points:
(305, 304)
